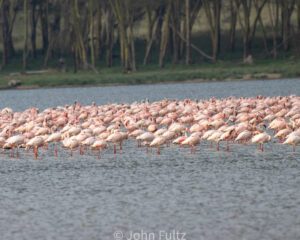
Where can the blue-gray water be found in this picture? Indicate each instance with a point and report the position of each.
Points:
(241, 194)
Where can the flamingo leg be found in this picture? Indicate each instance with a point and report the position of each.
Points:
(218, 146)
(115, 149)
(17, 153)
(55, 150)
(294, 148)
(81, 150)
(227, 146)
(35, 152)
(158, 151)
(193, 149)
(12, 152)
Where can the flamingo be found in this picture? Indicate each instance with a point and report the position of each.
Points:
(261, 138)
(158, 142)
(146, 137)
(14, 142)
(227, 136)
(244, 136)
(116, 137)
(293, 139)
(71, 143)
(99, 145)
(54, 137)
(215, 136)
(192, 140)
(35, 143)
(161, 121)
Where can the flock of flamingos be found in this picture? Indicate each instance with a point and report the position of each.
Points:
(254, 120)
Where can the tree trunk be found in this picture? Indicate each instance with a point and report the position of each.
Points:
(132, 46)
(124, 14)
(298, 15)
(109, 38)
(7, 27)
(99, 42)
(213, 14)
(248, 27)
(44, 25)
(175, 17)
(287, 9)
(5, 32)
(165, 32)
(91, 38)
(78, 38)
(247, 46)
(195, 7)
(25, 49)
(33, 28)
(188, 32)
(233, 22)
(152, 28)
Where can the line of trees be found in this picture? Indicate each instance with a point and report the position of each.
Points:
(92, 30)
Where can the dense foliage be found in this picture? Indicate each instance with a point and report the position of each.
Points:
(89, 31)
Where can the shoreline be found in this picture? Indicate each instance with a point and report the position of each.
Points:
(109, 77)
(197, 80)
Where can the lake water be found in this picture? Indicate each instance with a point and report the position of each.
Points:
(241, 194)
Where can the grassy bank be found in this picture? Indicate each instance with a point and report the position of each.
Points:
(262, 69)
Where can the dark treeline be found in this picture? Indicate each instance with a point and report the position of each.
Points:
(90, 31)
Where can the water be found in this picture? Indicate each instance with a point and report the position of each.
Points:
(241, 194)
(43, 98)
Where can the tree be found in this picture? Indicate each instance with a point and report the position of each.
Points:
(9, 11)
(233, 10)
(287, 8)
(25, 49)
(249, 27)
(154, 13)
(44, 15)
(273, 18)
(213, 14)
(124, 13)
(79, 47)
(165, 34)
(188, 32)
(33, 21)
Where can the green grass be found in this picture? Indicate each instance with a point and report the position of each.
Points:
(152, 74)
